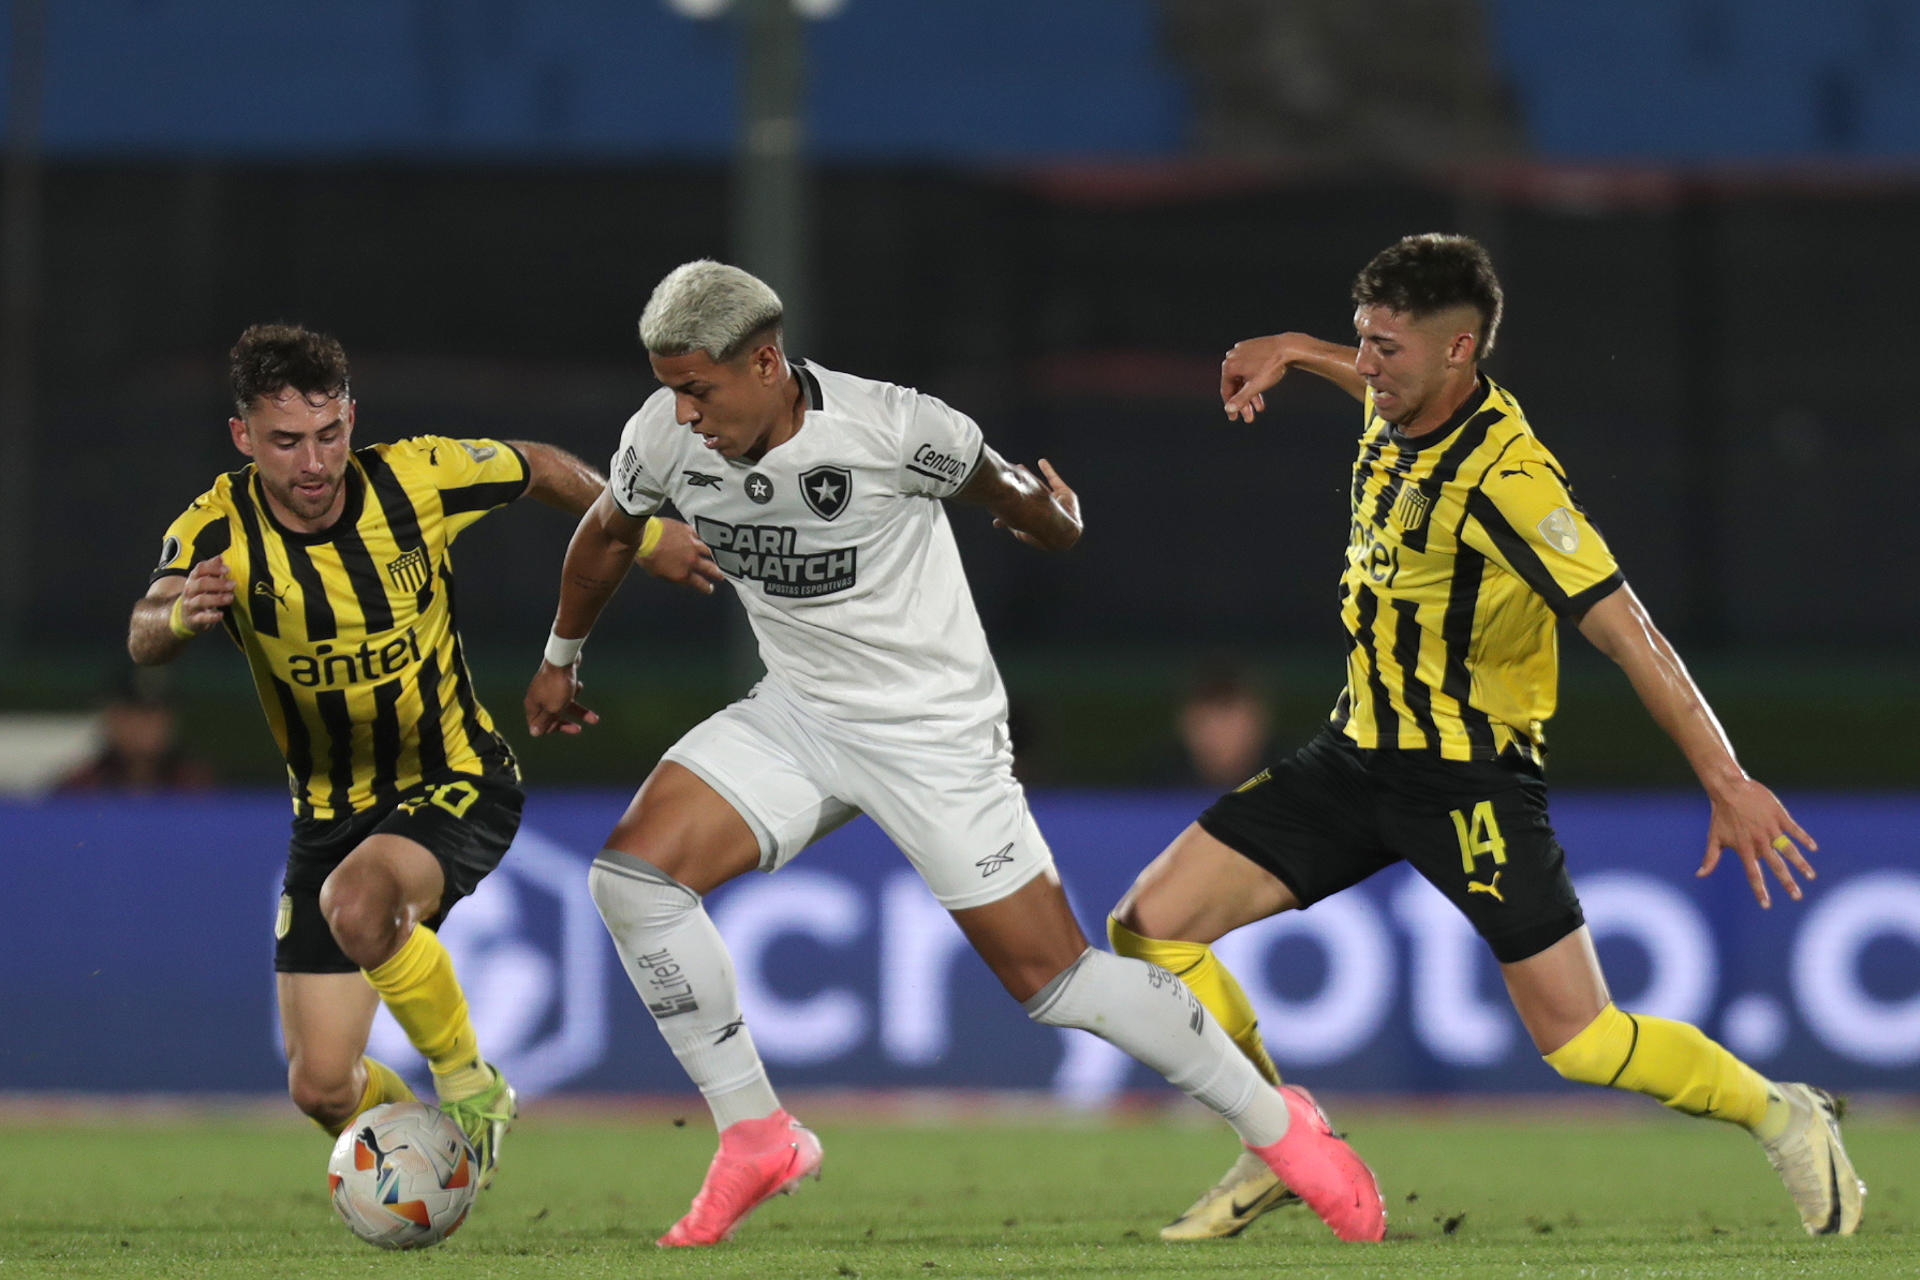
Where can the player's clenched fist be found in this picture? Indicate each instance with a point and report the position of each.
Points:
(208, 592)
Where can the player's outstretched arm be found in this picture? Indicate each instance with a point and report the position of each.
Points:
(669, 549)
(1041, 513)
(1256, 364)
(603, 549)
(559, 479)
(1747, 818)
(175, 610)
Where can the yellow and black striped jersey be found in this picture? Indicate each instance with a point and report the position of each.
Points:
(350, 631)
(1466, 545)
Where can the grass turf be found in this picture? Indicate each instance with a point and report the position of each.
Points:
(1636, 1194)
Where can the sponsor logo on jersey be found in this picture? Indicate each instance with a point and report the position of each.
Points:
(479, 452)
(759, 488)
(1561, 530)
(326, 666)
(409, 571)
(929, 461)
(169, 551)
(770, 555)
(826, 490)
(701, 480)
(264, 587)
(1411, 510)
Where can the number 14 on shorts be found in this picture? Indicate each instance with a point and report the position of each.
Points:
(1479, 835)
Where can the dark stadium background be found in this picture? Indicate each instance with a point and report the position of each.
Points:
(1056, 216)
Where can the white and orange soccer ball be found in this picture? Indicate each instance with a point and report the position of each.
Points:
(402, 1176)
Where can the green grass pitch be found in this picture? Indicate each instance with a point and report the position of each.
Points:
(1608, 1192)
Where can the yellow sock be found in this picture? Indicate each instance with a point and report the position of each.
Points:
(383, 1085)
(1195, 964)
(1671, 1061)
(420, 989)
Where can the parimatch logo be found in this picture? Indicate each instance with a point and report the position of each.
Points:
(770, 555)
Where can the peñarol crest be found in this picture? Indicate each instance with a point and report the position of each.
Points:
(1411, 510)
(409, 571)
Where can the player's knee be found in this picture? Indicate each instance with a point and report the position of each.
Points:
(1026, 976)
(632, 893)
(1140, 914)
(367, 914)
(327, 1096)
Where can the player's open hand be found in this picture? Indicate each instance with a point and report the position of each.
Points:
(1751, 821)
(681, 557)
(1059, 525)
(209, 590)
(1249, 369)
(553, 701)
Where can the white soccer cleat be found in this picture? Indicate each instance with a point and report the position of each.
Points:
(1229, 1207)
(1810, 1160)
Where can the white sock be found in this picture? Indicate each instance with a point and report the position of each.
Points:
(676, 961)
(1145, 1011)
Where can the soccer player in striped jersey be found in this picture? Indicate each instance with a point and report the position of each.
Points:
(330, 567)
(1466, 548)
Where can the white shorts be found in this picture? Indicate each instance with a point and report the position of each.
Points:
(952, 806)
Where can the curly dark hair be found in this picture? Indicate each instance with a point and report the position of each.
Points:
(1423, 274)
(271, 356)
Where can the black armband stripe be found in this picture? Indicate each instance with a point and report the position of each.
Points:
(1581, 601)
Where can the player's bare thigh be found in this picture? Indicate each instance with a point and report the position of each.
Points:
(325, 1019)
(1028, 937)
(1199, 890)
(686, 829)
(378, 893)
(1557, 992)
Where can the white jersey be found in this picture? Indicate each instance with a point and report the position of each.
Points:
(838, 545)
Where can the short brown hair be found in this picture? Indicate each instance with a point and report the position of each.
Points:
(1420, 275)
(271, 356)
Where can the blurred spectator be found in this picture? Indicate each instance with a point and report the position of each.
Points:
(1402, 81)
(1224, 729)
(138, 749)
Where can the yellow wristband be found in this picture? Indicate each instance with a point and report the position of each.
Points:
(177, 620)
(650, 540)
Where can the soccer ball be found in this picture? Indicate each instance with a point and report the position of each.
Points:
(402, 1176)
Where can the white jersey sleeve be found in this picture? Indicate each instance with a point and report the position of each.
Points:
(640, 471)
(940, 448)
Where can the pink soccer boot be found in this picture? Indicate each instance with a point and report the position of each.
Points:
(1325, 1172)
(758, 1159)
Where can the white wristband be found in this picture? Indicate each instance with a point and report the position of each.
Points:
(562, 652)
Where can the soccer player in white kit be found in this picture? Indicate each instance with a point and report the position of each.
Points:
(818, 495)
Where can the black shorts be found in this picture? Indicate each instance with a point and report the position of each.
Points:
(465, 821)
(1332, 814)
